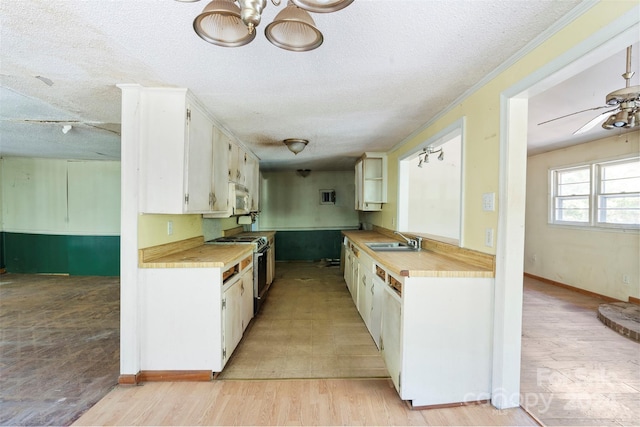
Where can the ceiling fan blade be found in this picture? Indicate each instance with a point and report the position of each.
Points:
(591, 123)
(572, 114)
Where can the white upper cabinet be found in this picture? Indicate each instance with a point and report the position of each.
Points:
(187, 162)
(371, 182)
(236, 158)
(252, 174)
(220, 188)
(244, 169)
(176, 153)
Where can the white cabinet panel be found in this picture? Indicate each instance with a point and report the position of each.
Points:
(220, 187)
(246, 292)
(371, 182)
(199, 164)
(232, 316)
(391, 335)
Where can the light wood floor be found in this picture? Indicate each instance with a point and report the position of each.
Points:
(575, 370)
(59, 344)
(309, 329)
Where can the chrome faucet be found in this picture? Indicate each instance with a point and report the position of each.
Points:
(415, 243)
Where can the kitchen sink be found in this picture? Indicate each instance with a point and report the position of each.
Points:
(390, 246)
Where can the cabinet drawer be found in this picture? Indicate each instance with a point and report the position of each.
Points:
(245, 262)
(395, 285)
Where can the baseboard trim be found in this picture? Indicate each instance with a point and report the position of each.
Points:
(128, 379)
(150, 376)
(634, 300)
(572, 288)
(446, 405)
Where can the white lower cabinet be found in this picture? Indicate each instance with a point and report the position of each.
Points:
(192, 318)
(246, 292)
(391, 333)
(434, 333)
(445, 339)
(232, 317)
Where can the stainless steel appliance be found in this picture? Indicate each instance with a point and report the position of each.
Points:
(260, 248)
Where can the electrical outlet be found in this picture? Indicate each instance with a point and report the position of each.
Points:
(625, 279)
(534, 257)
(489, 202)
(488, 237)
(169, 228)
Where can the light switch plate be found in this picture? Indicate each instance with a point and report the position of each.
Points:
(489, 202)
(488, 237)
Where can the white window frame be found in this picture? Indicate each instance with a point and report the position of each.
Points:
(595, 169)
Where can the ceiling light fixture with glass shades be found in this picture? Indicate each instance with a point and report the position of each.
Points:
(232, 23)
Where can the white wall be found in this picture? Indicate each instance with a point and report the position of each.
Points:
(435, 193)
(291, 202)
(48, 196)
(594, 260)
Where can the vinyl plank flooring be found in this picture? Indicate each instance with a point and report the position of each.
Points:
(575, 370)
(308, 314)
(59, 346)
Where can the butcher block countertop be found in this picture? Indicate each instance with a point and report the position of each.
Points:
(191, 253)
(438, 260)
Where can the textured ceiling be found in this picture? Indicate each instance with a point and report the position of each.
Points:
(385, 69)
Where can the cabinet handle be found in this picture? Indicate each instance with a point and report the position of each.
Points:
(241, 288)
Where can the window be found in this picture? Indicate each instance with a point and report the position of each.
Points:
(603, 194)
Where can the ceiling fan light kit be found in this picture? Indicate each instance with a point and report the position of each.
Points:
(628, 100)
(626, 103)
(232, 23)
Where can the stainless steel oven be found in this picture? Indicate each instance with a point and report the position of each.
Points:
(260, 248)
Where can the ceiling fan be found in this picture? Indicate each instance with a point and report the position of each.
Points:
(625, 113)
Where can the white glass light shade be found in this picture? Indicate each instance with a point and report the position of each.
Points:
(322, 6)
(293, 29)
(608, 124)
(220, 24)
(295, 145)
(622, 118)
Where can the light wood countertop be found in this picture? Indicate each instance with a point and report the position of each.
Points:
(423, 263)
(202, 256)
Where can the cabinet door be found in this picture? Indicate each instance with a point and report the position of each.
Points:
(199, 161)
(347, 267)
(220, 178)
(252, 177)
(233, 153)
(375, 312)
(359, 173)
(271, 261)
(232, 318)
(364, 295)
(391, 339)
(246, 291)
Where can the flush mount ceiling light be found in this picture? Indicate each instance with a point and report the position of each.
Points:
(232, 23)
(295, 145)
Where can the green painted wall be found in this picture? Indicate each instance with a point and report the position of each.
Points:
(2, 262)
(60, 216)
(308, 245)
(60, 254)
